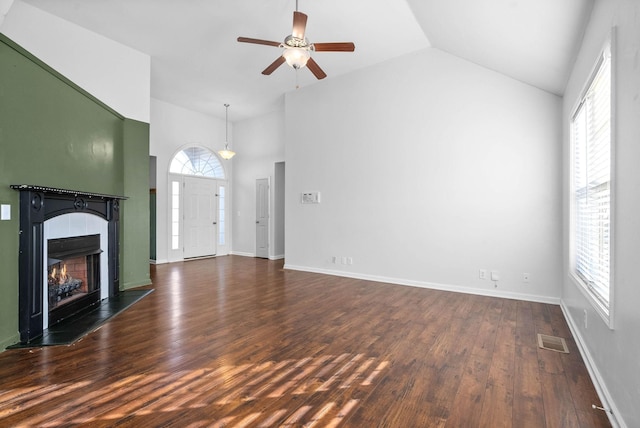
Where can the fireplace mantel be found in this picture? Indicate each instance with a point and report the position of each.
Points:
(45, 189)
(41, 203)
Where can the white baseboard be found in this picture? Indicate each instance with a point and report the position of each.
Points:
(243, 254)
(159, 262)
(432, 285)
(594, 373)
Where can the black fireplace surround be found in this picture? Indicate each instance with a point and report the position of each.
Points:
(38, 204)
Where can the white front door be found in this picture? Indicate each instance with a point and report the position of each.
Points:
(200, 217)
(262, 218)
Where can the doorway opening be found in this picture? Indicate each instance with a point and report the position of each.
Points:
(198, 202)
(270, 207)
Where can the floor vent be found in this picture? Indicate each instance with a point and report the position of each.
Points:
(552, 343)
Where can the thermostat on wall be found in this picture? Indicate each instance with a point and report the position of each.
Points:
(311, 198)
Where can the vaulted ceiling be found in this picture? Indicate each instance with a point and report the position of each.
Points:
(197, 63)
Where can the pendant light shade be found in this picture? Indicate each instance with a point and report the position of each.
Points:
(226, 154)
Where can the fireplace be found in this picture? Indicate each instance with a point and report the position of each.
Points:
(69, 254)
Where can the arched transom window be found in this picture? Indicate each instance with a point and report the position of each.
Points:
(197, 161)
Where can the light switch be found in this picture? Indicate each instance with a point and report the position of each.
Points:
(5, 212)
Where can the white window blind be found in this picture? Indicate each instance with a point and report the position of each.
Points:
(591, 217)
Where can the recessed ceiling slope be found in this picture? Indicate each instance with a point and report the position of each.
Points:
(197, 63)
(534, 41)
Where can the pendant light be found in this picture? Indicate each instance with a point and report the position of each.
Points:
(226, 154)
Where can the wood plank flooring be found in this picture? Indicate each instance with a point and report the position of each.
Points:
(240, 342)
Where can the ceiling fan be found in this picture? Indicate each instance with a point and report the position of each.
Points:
(297, 49)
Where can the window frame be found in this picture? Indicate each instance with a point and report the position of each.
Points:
(606, 311)
(208, 164)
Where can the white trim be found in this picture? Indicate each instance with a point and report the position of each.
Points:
(243, 254)
(594, 373)
(200, 146)
(613, 51)
(607, 314)
(269, 215)
(595, 303)
(432, 285)
(177, 255)
(71, 225)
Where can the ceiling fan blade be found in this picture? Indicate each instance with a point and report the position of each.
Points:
(275, 64)
(299, 24)
(258, 41)
(315, 69)
(334, 47)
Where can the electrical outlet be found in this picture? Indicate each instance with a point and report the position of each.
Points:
(482, 274)
(310, 198)
(526, 277)
(349, 260)
(495, 275)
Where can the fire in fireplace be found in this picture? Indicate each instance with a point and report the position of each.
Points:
(73, 275)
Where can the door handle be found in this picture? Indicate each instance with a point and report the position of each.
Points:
(215, 222)
(257, 221)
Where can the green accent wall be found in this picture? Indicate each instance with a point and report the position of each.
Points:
(152, 226)
(53, 133)
(134, 223)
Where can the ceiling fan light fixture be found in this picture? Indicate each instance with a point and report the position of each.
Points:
(296, 57)
(297, 49)
(225, 153)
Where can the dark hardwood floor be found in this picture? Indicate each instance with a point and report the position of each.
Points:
(240, 342)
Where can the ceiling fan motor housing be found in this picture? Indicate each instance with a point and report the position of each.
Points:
(296, 42)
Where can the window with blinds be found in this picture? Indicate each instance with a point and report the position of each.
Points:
(591, 186)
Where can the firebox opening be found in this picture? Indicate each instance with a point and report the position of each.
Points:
(73, 275)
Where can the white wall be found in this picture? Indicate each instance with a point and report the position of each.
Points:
(117, 75)
(172, 129)
(613, 354)
(5, 5)
(430, 168)
(259, 143)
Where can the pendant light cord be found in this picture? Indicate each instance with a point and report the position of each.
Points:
(226, 126)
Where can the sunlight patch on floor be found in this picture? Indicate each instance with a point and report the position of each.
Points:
(232, 395)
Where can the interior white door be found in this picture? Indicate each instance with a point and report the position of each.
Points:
(262, 217)
(200, 217)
